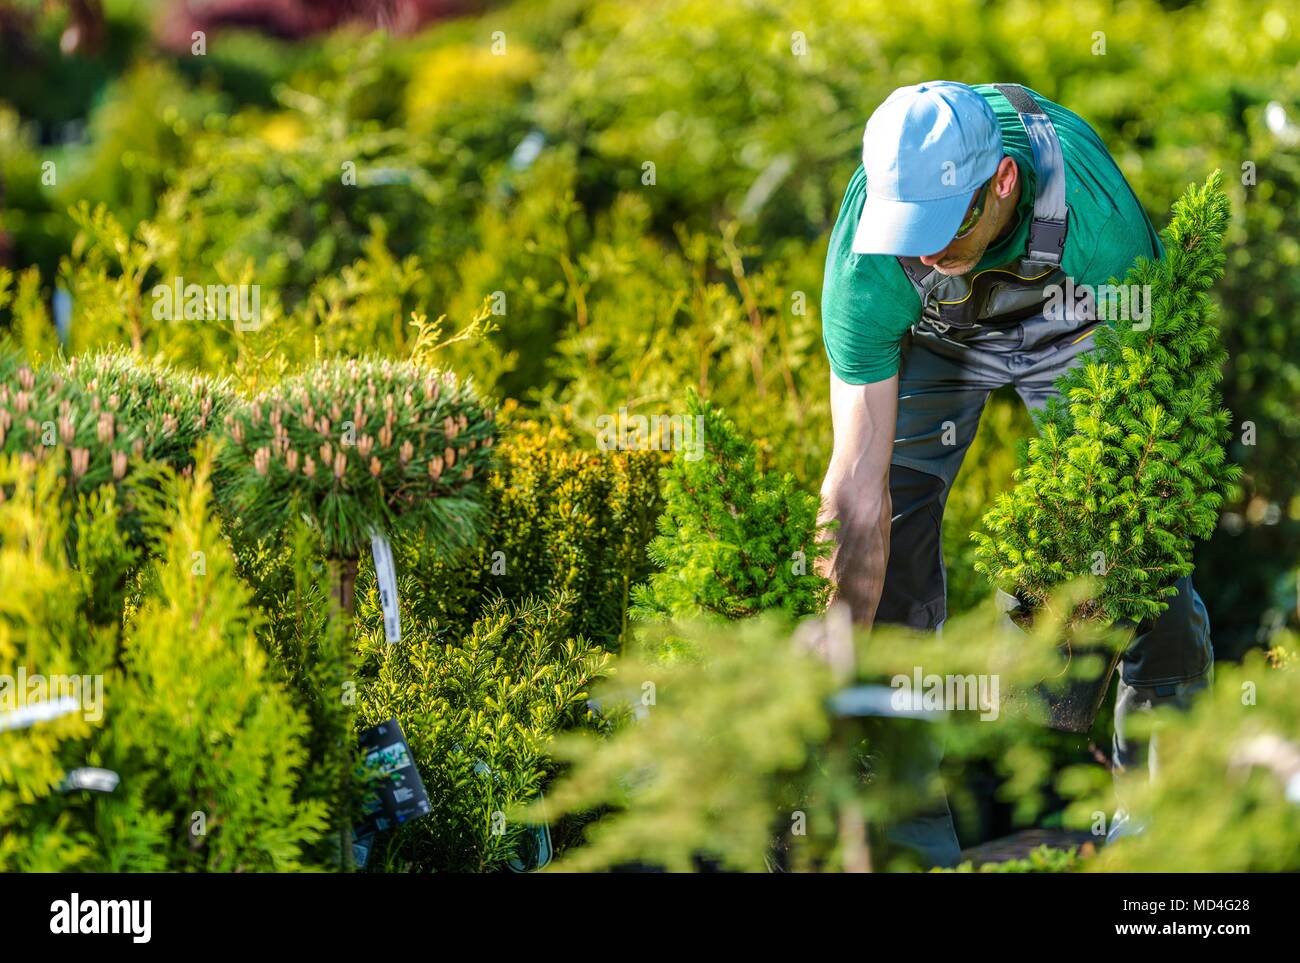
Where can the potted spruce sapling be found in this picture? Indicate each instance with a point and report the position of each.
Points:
(362, 448)
(1129, 467)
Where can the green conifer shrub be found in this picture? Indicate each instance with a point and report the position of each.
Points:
(752, 754)
(42, 630)
(733, 541)
(205, 741)
(313, 653)
(561, 519)
(1226, 797)
(296, 197)
(726, 747)
(201, 717)
(1129, 468)
(478, 710)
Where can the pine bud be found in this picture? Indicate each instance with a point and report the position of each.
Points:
(104, 430)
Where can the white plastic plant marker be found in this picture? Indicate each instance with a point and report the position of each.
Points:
(92, 778)
(386, 580)
(35, 712)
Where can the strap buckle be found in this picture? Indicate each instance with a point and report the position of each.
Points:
(1047, 240)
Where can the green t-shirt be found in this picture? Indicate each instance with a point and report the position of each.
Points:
(867, 301)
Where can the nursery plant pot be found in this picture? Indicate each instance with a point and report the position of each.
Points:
(1072, 700)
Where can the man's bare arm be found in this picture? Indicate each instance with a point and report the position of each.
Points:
(856, 492)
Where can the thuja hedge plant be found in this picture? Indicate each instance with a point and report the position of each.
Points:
(185, 751)
(1226, 797)
(757, 754)
(1129, 468)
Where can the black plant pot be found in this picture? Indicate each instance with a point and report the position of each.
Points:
(1072, 699)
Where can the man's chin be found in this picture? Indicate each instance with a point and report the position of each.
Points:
(955, 268)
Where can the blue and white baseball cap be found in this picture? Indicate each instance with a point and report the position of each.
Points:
(926, 150)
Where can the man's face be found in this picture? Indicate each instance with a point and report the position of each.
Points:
(962, 254)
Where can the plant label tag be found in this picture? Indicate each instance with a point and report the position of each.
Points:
(386, 580)
(35, 712)
(361, 846)
(393, 792)
(92, 778)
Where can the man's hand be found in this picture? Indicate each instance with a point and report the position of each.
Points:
(856, 492)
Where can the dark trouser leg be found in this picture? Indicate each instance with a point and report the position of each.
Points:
(1169, 661)
(941, 396)
(913, 595)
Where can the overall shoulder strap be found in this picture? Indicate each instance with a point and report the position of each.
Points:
(924, 279)
(1049, 227)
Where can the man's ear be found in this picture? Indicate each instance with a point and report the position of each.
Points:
(1006, 178)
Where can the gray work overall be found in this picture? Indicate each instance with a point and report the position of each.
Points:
(978, 333)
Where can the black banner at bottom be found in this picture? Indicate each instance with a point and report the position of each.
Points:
(216, 912)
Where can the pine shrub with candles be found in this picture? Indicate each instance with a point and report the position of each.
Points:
(110, 411)
(165, 410)
(360, 447)
(1129, 468)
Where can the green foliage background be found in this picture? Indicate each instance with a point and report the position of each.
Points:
(511, 192)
